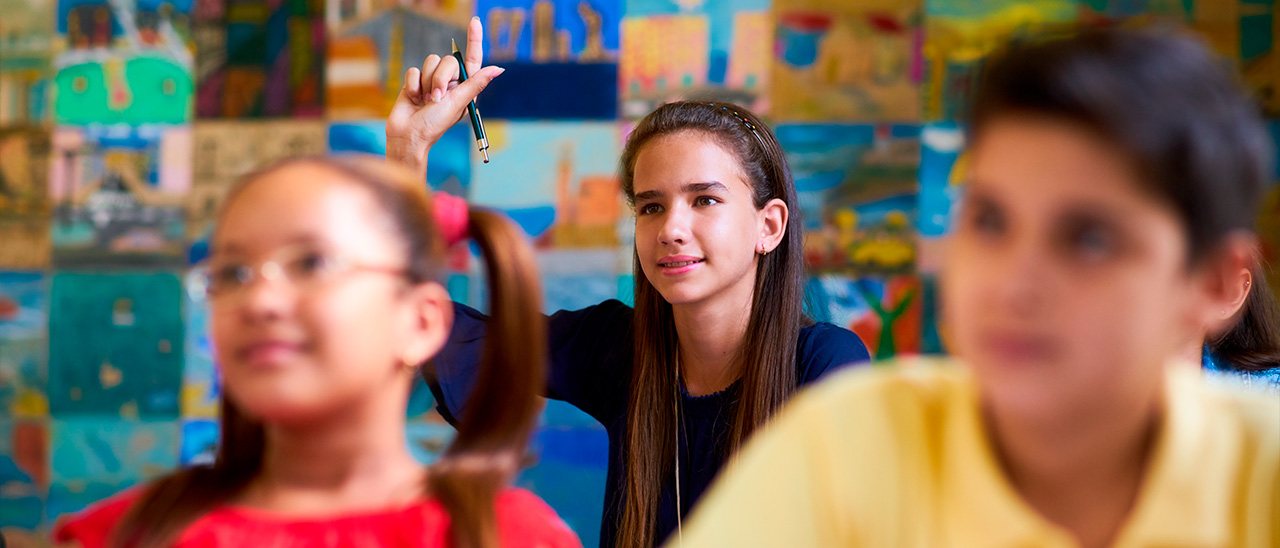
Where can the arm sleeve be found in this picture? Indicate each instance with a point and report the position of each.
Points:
(589, 361)
(825, 348)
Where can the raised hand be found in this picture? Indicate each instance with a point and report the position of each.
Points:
(432, 100)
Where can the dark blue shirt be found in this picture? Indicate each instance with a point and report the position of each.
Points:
(590, 368)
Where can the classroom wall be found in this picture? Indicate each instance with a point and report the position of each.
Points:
(123, 122)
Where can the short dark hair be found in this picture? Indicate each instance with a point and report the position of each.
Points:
(1174, 107)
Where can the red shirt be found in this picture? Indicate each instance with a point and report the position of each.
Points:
(524, 520)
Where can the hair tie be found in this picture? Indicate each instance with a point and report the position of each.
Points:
(452, 213)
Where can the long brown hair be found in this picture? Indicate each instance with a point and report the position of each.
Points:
(490, 443)
(768, 351)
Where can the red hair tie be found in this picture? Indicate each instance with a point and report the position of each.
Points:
(451, 216)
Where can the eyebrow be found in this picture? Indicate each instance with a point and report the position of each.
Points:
(690, 188)
(1072, 212)
(1092, 213)
(975, 193)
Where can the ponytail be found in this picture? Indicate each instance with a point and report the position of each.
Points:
(490, 445)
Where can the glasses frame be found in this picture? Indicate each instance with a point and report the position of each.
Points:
(200, 286)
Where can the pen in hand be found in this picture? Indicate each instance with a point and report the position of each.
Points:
(477, 126)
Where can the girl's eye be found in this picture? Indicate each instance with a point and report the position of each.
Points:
(706, 201)
(1090, 241)
(229, 276)
(986, 219)
(309, 265)
(649, 209)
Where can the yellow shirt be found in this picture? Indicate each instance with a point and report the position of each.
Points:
(897, 458)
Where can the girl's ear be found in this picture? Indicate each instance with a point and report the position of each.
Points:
(1225, 282)
(432, 320)
(773, 225)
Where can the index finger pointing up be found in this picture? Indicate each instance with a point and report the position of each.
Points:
(474, 55)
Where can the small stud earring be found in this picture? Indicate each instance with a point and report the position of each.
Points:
(408, 361)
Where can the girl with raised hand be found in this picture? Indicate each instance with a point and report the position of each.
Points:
(718, 339)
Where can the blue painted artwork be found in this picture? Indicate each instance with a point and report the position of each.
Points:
(576, 292)
(94, 458)
(557, 180)
(800, 45)
(23, 344)
(24, 472)
(884, 312)
(942, 178)
(548, 46)
(201, 385)
(127, 359)
(546, 30)
(857, 190)
(199, 442)
(428, 439)
(21, 511)
(941, 147)
(449, 169)
(112, 449)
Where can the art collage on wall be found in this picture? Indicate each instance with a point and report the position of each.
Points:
(123, 123)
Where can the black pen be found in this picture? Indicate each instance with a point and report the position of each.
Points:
(477, 126)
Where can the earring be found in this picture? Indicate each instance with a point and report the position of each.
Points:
(409, 362)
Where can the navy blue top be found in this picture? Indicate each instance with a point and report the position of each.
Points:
(590, 368)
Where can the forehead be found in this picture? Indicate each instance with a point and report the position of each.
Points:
(668, 162)
(303, 202)
(1045, 162)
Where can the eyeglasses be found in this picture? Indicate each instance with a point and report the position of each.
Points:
(304, 267)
